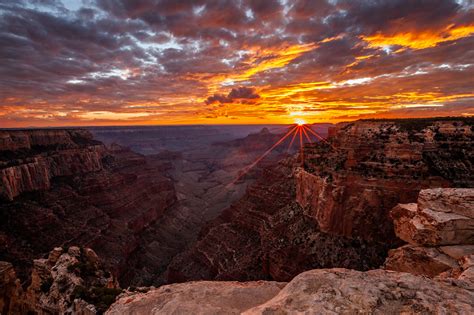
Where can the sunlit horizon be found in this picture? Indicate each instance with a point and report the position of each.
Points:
(122, 63)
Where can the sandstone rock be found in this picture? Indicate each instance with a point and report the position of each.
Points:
(457, 251)
(421, 224)
(197, 298)
(467, 264)
(54, 255)
(435, 220)
(320, 291)
(418, 260)
(336, 291)
(450, 200)
(60, 284)
(63, 287)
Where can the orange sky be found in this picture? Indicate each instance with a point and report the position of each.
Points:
(225, 62)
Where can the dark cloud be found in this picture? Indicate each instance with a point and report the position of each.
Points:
(240, 94)
(368, 17)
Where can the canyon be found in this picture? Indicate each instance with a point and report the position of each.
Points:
(376, 205)
(333, 210)
(62, 187)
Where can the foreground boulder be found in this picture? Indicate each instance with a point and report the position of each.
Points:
(204, 297)
(320, 291)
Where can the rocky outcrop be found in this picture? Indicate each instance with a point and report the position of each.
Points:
(10, 290)
(61, 187)
(70, 281)
(441, 217)
(439, 230)
(350, 184)
(323, 291)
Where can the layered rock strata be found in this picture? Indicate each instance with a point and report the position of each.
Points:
(439, 230)
(61, 187)
(266, 235)
(350, 184)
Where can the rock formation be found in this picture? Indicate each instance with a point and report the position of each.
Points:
(350, 184)
(204, 297)
(439, 230)
(334, 210)
(61, 188)
(70, 281)
(321, 291)
(10, 290)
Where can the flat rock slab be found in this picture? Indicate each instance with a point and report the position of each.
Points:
(319, 291)
(203, 297)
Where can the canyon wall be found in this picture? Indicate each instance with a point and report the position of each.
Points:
(349, 184)
(332, 211)
(61, 187)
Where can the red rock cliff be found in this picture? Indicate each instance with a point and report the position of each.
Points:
(61, 187)
(349, 185)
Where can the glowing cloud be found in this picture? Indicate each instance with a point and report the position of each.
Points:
(419, 40)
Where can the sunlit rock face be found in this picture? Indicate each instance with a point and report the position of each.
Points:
(350, 184)
(61, 187)
(204, 297)
(333, 211)
(30, 159)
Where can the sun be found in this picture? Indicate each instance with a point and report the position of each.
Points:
(300, 122)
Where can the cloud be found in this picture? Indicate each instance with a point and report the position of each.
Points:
(241, 94)
(158, 61)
